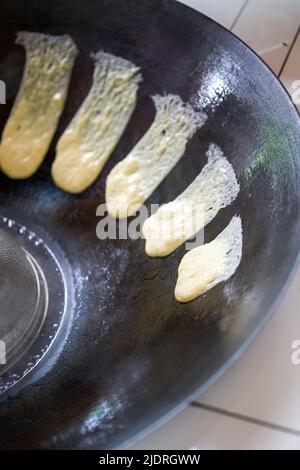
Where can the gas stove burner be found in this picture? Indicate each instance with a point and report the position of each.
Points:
(34, 293)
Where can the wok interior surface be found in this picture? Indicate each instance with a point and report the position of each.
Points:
(132, 353)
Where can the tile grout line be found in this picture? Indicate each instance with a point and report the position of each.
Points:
(289, 52)
(240, 417)
(239, 14)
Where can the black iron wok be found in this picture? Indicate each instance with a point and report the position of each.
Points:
(127, 355)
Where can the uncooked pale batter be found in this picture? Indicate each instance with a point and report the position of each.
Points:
(207, 265)
(94, 132)
(135, 178)
(39, 104)
(175, 222)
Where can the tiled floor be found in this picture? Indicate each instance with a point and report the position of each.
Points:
(201, 429)
(291, 71)
(252, 407)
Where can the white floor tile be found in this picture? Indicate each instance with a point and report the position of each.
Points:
(264, 383)
(222, 12)
(290, 76)
(201, 429)
(269, 26)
